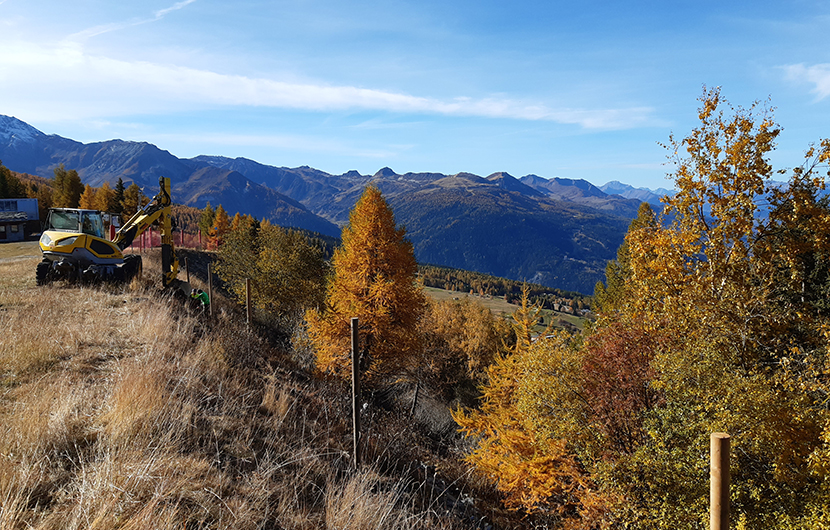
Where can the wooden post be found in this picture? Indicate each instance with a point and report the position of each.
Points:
(414, 399)
(355, 394)
(248, 301)
(187, 270)
(210, 292)
(719, 479)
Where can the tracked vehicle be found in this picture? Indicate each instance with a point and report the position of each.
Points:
(75, 248)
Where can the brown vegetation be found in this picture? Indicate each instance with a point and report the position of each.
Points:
(120, 409)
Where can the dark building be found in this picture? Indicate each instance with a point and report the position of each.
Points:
(17, 218)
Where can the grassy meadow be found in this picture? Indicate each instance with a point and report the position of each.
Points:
(498, 306)
(120, 408)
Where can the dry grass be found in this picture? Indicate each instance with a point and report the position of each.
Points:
(19, 249)
(120, 409)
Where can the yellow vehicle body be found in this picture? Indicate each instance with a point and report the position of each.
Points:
(75, 249)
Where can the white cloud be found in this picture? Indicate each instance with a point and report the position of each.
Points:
(115, 26)
(64, 80)
(818, 75)
(162, 12)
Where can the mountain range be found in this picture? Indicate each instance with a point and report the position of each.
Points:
(558, 232)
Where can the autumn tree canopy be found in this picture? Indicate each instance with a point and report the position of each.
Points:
(714, 318)
(221, 225)
(374, 279)
(67, 188)
(87, 199)
(286, 269)
(208, 215)
(132, 201)
(104, 198)
(10, 186)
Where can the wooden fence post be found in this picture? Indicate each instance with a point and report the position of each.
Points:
(187, 270)
(248, 301)
(210, 292)
(355, 393)
(414, 399)
(719, 444)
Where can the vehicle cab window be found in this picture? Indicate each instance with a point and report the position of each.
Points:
(91, 224)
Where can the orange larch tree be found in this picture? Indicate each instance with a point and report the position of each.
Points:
(221, 224)
(374, 280)
(87, 199)
(104, 198)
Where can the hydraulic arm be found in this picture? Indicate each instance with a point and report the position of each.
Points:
(158, 209)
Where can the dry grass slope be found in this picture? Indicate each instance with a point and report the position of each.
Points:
(119, 409)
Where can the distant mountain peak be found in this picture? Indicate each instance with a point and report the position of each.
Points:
(650, 196)
(507, 181)
(12, 129)
(212, 159)
(385, 172)
(354, 174)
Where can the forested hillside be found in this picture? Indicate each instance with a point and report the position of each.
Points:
(557, 232)
(486, 285)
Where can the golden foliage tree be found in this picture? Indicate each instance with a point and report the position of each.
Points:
(104, 198)
(208, 215)
(87, 200)
(461, 339)
(533, 466)
(374, 279)
(731, 286)
(610, 296)
(67, 188)
(721, 324)
(132, 200)
(221, 224)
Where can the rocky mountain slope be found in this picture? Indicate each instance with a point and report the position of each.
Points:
(558, 232)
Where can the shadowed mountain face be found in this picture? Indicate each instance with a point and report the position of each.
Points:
(557, 232)
(27, 150)
(501, 233)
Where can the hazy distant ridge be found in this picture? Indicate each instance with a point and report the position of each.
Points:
(559, 232)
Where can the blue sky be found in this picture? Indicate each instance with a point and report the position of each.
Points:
(568, 89)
